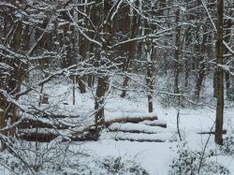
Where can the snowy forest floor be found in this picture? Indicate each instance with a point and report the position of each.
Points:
(155, 157)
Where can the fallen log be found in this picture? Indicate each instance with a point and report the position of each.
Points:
(135, 128)
(37, 137)
(60, 116)
(139, 140)
(142, 137)
(30, 123)
(212, 132)
(159, 123)
(130, 120)
(87, 134)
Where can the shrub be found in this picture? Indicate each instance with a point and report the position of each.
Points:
(190, 162)
(118, 166)
(63, 160)
(228, 146)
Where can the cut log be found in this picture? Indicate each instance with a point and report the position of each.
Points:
(139, 140)
(47, 135)
(130, 120)
(60, 116)
(29, 123)
(135, 128)
(162, 137)
(141, 129)
(39, 137)
(87, 134)
(91, 135)
(159, 123)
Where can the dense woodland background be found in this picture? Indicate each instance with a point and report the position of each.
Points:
(167, 49)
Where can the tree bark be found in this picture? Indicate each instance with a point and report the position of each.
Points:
(219, 75)
(99, 102)
(131, 47)
(102, 84)
(15, 79)
(149, 79)
(177, 57)
(228, 37)
(202, 67)
(148, 46)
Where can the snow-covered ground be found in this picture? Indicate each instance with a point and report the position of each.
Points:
(155, 157)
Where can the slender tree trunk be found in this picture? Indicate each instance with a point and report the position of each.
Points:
(81, 48)
(148, 46)
(14, 82)
(131, 47)
(84, 47)
(149, 85)
(199, 81)
(81, 82)
(228, 36)
(215, 84)
(90, 81)
(201, 69)
(186, 62)
(125, 83)
(186, 78)
(228, 85)
(2, 113)
(219, 75)
(177, 57)
(73, 89)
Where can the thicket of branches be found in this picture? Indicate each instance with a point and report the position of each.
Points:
(91, 41)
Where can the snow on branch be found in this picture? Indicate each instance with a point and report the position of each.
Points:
(209, 15)
(228, 48)
(226, 69)
(11, 99)
(81, 32)
(117, 5)
(21, 57)
(4, 4)
(140, 38)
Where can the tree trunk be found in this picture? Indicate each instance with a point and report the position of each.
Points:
(2, 113)
(84, 48)
(149, 85)
(81, 82)
(186, 62)
(215, 84)
(199, 81)
(228, 37)
(219, 75)
(99, 102)
(15, 79)
(125, 83)
(228, 85)
(202, 68)
(177, 57)
(102, 84)
(90, 81)
(131, 47)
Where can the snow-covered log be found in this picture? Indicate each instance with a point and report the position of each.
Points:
(130, 120)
